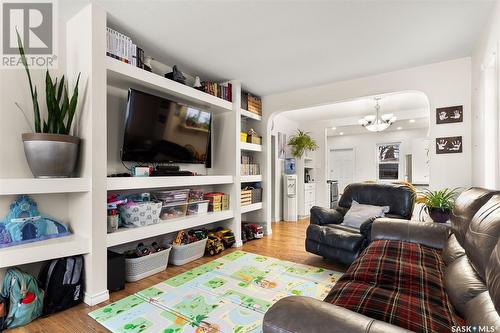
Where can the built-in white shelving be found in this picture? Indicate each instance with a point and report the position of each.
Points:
(124, 75)
(250, 146)
(43, 250)
(250, 115)
(251, 178)
(125, 235)
(251, 208)
(12, 186)
(131, 183)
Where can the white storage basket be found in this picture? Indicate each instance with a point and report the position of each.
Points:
(140, 214)
(182, 254)
(139, 268)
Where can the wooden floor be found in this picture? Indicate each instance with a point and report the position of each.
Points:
(286, 242)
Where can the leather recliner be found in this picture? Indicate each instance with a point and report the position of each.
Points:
(328, 237)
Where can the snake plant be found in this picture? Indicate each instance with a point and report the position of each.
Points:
(60, 108)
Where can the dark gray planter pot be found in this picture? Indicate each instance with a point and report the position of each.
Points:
(51, 155)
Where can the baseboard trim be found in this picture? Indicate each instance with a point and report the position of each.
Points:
(238, 244)
(96, 298)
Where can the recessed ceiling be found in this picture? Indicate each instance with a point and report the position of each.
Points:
(404, 105)
(275, 46)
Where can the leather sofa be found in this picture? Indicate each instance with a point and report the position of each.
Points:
(327, 237)
(414, 276)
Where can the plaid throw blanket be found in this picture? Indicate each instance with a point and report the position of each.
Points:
(399, 283)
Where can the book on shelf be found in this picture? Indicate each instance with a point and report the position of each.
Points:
(221, 90)
(121, 47)
(249, 167)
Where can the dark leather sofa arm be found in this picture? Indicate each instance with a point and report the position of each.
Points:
(321, 216)
(426, 233)
(300, 314)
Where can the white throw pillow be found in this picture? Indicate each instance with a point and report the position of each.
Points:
(359, 213)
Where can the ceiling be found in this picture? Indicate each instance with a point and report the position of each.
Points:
(357, 108)
(275, 46)
(399, 125)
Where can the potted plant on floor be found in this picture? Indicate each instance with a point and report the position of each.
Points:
(50, 150)
(438, 204)
(302, 143)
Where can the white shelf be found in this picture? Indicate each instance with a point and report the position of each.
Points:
(129, 183)
(43, 250)
(251, 178)
(43, 186)
(251, 208)
(124, 75)
(127, 235)
(308, 158)
(250, 146)
(250, 115)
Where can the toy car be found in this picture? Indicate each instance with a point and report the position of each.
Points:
(256, 231)
(226, 236)
(214, 245)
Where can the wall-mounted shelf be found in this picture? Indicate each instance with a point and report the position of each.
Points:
(250, 146)
(250, 115)
(130, 183)
(251, 208)
(127, 76)
(15, 186)
(127, 235)
(43, 250)
(251, 178)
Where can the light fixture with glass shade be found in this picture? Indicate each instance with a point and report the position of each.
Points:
(376, 122)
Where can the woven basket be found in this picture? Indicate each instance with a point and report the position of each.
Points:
(256, 195)
(182, 254)
(139, 268)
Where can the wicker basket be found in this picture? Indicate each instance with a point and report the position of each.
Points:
(140, 214)
(139, 268)
(246, 197)
(182, 254)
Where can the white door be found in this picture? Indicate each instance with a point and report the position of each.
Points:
(341, 167)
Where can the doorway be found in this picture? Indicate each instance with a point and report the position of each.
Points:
(341, 164)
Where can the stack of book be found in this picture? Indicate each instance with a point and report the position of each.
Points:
(248, 167)
(223, 90)
(121, 47)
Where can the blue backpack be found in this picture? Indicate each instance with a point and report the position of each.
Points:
(25, 298)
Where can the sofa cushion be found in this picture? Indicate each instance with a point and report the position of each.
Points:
(342, 237)
(462, 283)
(400, 283)
(483, 235)
(452, 250)
(466, 205)
(360, 213)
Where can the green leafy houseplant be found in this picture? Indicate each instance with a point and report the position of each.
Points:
(302, 142)
(50, 150)
(60, 109)
(438, 204)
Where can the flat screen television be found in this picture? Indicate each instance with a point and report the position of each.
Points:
(159, 130)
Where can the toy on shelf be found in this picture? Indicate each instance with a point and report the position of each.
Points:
(187, 237)
(251, 231)
(24, 224)
(214, 245)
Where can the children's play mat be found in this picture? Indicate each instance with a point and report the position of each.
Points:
(229, 294)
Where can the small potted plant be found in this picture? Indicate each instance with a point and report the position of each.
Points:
(50, 150)
(302, 143)
(438, 204)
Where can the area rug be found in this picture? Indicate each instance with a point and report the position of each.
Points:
(230, 294)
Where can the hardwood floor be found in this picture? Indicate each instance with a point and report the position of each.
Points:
(286, 242)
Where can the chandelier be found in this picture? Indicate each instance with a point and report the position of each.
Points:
(376, 122)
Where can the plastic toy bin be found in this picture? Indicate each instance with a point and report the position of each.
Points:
(182, 254)
(139, 268)
(200, 207)
(177, 196)
(173, 211)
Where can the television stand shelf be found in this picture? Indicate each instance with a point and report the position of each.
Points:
(130, 183)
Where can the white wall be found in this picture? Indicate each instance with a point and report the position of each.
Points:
(485, 121)
(365, 153)
(289, 127)
(445, 84)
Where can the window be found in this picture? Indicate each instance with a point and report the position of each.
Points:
(388, 161)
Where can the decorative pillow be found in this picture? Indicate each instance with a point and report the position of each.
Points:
(359, 213)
